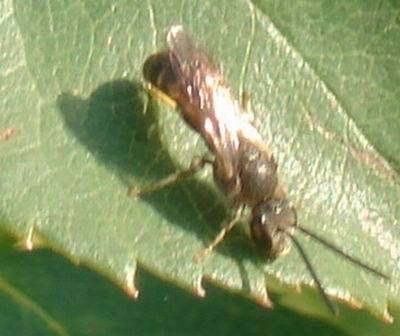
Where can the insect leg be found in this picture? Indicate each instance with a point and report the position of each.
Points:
(196, 165)
(245, 100)
(245, 103)
(220, 236)
(159, 95)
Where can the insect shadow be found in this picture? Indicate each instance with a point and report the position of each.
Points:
(118, 124)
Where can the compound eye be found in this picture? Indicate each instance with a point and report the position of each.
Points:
(260, 233)
(271, 224)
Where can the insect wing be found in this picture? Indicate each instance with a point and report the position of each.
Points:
(188, 61)
(211, 109)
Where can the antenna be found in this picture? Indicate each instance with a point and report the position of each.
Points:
(332, 307)
(337, 250)
(314, 275)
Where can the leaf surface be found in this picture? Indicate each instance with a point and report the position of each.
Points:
(71, 86)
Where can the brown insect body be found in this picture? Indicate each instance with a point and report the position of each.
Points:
(243, 166)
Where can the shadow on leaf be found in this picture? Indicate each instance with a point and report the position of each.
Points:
(118, 124)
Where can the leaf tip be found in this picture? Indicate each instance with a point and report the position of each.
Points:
(387, 318)
(199, 289)
(130, 287)
(264, 300)
(31, 241)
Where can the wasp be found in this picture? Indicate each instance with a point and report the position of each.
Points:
(243, 166)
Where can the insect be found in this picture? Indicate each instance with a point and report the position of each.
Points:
(243, 166)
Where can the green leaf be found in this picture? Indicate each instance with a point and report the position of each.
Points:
(32, 286)
(71, 86)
